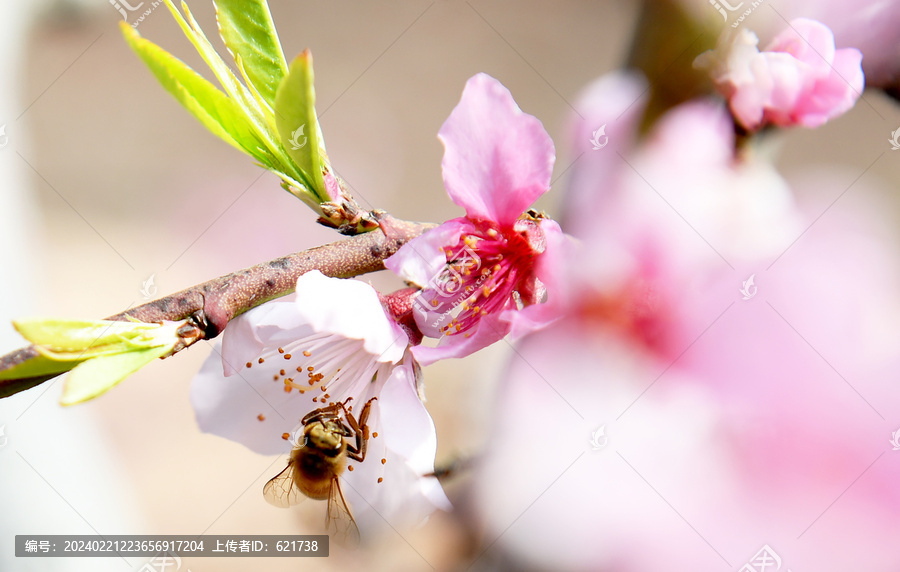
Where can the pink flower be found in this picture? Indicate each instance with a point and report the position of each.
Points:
(799, 79)
(329, 341)
(484, 272)
(727, 423)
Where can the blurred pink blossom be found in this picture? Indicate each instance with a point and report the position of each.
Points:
(729, 422)
(799, 79)
(484, 272)
(330, 340)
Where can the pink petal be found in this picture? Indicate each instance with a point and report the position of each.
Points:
(422, 258)
(490, 329)
(834, 94)
(350, 309)
(807, 40)
(616, 101)
(497, 160)
(550, 270)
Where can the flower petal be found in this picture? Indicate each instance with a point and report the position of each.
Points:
(407, 442)
(497, 160)
(549, 269)
(229, 406)
(351, 309)
(807, 40)
(490, 329)
(273, 324)
(422, 258)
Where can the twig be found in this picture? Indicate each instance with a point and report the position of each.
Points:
(211, 305)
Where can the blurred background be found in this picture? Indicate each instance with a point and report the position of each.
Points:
(106, 183)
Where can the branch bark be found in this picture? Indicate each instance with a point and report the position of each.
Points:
(211, 305)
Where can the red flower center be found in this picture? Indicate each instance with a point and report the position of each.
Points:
(486, 269)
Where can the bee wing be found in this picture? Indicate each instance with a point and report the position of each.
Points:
(280, 490)
(339, 520)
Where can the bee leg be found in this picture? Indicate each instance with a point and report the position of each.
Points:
(322, 413)
(360, 431)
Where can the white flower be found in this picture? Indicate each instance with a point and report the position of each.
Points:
(329, 341)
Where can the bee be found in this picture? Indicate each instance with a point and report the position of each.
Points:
(317, 462)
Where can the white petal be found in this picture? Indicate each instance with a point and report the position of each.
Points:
(408, 443)
(273, 324)
(351, 309)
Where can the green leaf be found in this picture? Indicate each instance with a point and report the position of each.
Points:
(37, 366)
(255, 113)
(215, 110)
(87, 337)
(98, 375)
(298, 126)
(248, 31)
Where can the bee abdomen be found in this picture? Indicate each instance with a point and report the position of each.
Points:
(315, 474)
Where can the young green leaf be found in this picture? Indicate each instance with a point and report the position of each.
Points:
(216, 111)
(36, 366)
(298, 126)
(98, 375)
(248, 31)
(100, 353)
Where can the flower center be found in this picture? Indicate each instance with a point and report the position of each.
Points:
(486, 269)
(331, 365)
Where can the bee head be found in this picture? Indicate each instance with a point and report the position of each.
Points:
(325, 437)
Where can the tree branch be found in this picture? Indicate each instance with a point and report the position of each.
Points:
(211, 305)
